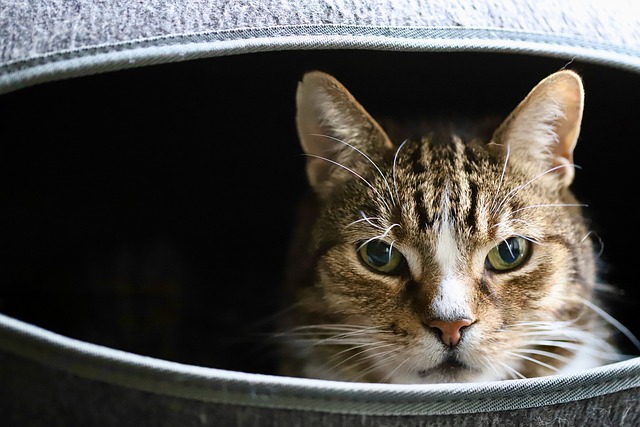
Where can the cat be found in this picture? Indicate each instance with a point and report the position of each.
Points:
(443, 258)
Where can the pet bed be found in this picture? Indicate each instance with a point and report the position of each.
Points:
(140, 139)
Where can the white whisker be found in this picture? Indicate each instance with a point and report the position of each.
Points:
(550, 205)
(531, 359)
(354, 173)
(511, 194)
(607, 353)
(366, 157)
(548, 354)
(373, 346)
(358, 356)
(395, 158)
(504, 169)
(514, 373)
(379, 237)
(486, 362)
(600, 242)
(383, 360)
(368, 220)
(502, 223)
(390, 374)
(613, 322)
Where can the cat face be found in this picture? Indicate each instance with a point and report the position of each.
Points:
(441, 259)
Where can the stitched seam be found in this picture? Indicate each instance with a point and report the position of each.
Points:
(385, 407)
(150, 383)
(263, 33)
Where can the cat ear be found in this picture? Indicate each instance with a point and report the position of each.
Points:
(544, 127)
(332, 128)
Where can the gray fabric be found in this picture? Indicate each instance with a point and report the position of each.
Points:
(37, 28)
(129, 371)
(48, 40)
(52, 380)
(33, 394)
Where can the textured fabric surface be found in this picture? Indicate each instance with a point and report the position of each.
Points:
(36, 28)
(43, 351)
(36, 395)
(54, 39)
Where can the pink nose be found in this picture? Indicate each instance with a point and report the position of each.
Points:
(450, 331)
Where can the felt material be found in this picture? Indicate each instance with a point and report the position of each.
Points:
(54, 39)
(47, 379)
(36, 28)
(63, 379)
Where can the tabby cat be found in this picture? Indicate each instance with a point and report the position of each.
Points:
(444, 258)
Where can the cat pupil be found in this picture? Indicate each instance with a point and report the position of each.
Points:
(379, 253)
(381, 257)
(511, 250)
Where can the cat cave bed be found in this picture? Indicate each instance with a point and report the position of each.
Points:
(141, 258)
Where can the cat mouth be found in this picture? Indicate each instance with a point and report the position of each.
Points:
(449, 366)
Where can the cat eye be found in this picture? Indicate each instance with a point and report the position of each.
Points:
(509, 254)
(381, 256)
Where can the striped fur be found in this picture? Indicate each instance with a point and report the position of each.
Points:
(443, 200)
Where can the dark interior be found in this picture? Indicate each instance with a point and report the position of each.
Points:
(150, 209)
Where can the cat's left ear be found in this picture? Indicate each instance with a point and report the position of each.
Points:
(546, 124)
(335, 131)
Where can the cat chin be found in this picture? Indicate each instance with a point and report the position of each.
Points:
(440, 375)
(449, 371)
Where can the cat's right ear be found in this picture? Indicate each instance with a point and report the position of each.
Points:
(332, 127)
(544, 127)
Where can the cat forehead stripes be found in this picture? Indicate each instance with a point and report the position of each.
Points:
(447, 180)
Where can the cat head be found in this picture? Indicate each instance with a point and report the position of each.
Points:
(443, 258)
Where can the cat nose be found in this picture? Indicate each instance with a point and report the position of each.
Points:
(450, 331)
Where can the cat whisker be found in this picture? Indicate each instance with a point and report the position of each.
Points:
(487, 363)
(533, 360)
(330, 334)
(379, 237)
(608, 352)
(504, 170)
(390, 374)
(532, 227)
(563, 335)
(502, 223)
(366, 157)
(384, 356)
(359, 355)
(337, 327)
(354, 173)
(551, 205)
(600, 242)
(548, 354)
(530, 239)
(368, 220)
(383, 360)
(515, 374)
(563, 331)
(613, 322)
(372, 346)
(511, 194)
(545, 325)
(395, 162)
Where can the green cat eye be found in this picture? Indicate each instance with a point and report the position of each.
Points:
(381, 256)
(509, 254)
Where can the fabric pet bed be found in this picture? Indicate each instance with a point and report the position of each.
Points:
(118, 117)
